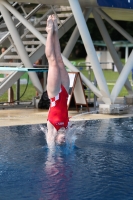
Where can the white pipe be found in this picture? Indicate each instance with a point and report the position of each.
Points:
(126, 53)
(9, 95)
(74, 37)
(115, 25)
(122, 78)
(77, 12)
(110, 46)
(20, 47)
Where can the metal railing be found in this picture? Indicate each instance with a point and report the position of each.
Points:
(19, 24)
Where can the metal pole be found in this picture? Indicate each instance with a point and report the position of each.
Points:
(115, 25)
(110, 46)
(18, 91)
(9, 95)
(89, 77)
(74, 37)
(122, 78)
(45, 63)
(20, 47)
(77, 12)
(95, 97)
(126, 53)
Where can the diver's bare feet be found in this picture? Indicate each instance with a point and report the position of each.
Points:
(50, 25)
(55, 23)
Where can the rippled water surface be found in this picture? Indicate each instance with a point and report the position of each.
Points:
(98, 167)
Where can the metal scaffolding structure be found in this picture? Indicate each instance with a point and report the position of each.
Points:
(78, 12)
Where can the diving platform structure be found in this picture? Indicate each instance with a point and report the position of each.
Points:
(23, 69)
(26, 41)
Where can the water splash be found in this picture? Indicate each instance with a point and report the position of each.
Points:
(71, 136)
(43, 128)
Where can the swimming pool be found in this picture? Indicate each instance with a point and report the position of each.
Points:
(98, 167)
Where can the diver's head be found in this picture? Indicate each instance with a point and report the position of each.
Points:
(60, 137)
(53, 136)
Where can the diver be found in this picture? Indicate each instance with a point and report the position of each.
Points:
(57, 86)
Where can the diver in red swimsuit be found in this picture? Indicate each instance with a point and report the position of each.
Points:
(58, 113)
(57, 86)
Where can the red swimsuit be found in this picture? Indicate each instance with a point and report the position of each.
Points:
(58, 113)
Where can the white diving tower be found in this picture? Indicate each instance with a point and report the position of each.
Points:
(25, 48)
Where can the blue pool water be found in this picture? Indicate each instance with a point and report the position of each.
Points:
(98, 167)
